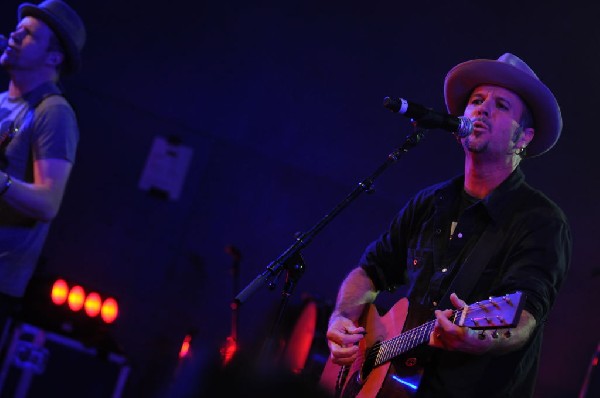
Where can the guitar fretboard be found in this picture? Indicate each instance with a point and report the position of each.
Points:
(388, 349)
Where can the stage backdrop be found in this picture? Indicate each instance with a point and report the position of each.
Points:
(271, 113)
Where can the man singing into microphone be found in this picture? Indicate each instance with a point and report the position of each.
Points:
(518, 237)
(38, 137)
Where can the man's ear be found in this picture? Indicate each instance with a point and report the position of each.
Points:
(55, 58)
(525, 137)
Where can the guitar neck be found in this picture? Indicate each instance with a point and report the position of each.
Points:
(495, 313)
(7, 135)
(389, 349)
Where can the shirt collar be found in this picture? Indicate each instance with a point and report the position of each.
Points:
(498, 202)
(35, 96)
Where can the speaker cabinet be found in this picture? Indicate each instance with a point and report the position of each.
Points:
(41, 363)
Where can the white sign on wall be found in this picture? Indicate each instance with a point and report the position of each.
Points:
(166, 168)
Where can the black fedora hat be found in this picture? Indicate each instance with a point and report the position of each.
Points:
(65, 23)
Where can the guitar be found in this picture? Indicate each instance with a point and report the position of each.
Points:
(370, 373)
(8, 135)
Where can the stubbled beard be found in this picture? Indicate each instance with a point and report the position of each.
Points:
(475, 148)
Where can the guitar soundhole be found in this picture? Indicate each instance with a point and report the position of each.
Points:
(410, 362)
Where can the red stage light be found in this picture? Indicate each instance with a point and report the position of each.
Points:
(60, 292)
(92, 304)
(185, 346)
(301, 338)
(109, 310)
(228, 350)
(76, 298)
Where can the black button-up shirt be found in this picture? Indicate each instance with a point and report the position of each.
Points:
(421, 252)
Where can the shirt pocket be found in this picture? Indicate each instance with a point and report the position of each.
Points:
(417, 260)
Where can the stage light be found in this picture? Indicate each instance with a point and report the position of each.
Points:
(109, 310)
(185, 346)
(60, 292)
(76, 298)
(228, 350)
(92, 304)
(72, 309)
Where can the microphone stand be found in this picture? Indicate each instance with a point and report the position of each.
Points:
(231, 344)
(291, 259)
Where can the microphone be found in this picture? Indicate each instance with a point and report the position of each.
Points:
(428, 118)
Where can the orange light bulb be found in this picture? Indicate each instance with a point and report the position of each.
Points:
(92, 304)
(76, 298)
(109, 310)
(60, 292)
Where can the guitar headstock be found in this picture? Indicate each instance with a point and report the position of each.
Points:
(494, 313)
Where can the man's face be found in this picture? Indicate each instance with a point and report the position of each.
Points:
(28, 46)
(495, 112)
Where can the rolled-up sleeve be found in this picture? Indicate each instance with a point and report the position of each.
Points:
(539, 262)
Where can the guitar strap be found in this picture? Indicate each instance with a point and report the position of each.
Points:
(471, 269)
(25, 119)
(33, 104)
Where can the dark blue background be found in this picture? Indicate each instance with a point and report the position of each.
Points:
(281, 104)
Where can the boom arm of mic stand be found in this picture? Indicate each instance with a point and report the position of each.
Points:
(286, 259)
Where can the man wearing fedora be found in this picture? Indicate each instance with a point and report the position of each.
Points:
(485, 233)
(38, 136)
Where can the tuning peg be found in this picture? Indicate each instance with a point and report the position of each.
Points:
(494, 302)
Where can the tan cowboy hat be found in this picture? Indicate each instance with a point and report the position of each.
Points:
(512, 73)
(65, 23)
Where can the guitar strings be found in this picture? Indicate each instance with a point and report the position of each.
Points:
(383, 351)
